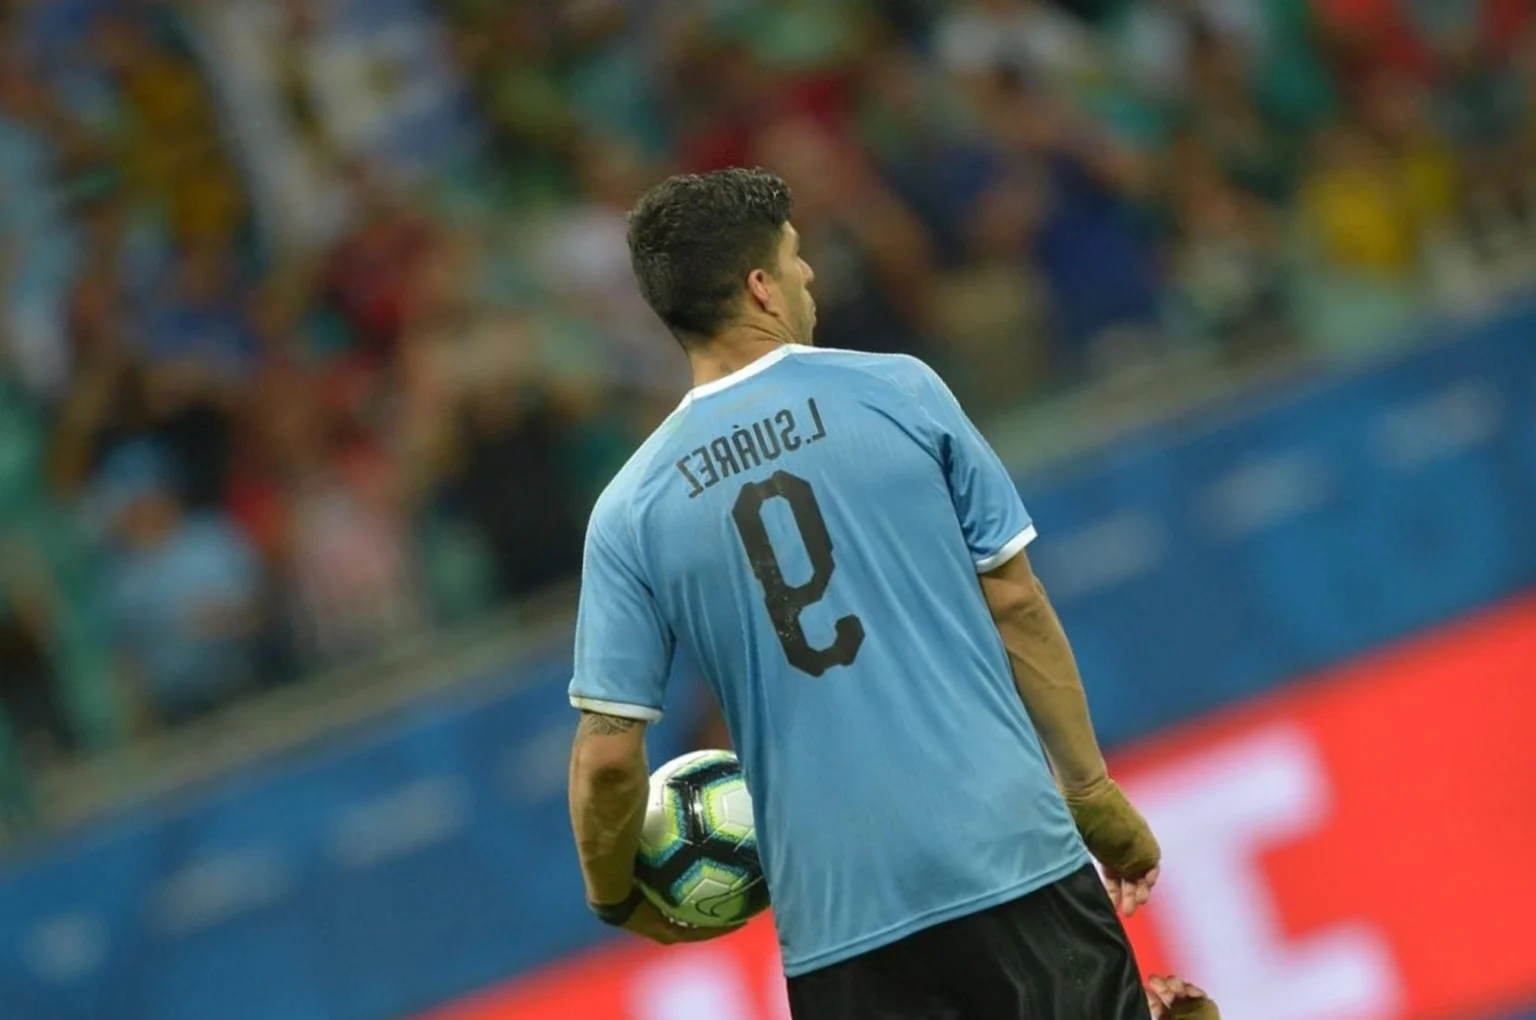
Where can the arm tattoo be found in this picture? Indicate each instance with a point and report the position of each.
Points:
(599, 725)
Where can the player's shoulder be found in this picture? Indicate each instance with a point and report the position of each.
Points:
(612, 511)
(906, 373)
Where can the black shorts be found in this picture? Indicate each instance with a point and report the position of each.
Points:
(1059, 953)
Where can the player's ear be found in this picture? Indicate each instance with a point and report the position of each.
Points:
(760, 289)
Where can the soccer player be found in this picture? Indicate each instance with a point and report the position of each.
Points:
(833, 544)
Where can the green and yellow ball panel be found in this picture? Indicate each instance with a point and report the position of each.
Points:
(698, 859)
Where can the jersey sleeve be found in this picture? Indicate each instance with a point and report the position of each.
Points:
(992, 516)
(623, 645)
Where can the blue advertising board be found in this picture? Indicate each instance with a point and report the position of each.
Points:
(1195, 564)
(1206, 560)
(387, 871)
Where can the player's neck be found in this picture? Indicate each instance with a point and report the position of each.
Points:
(732, 351)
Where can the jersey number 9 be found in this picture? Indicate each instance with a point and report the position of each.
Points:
(784, 601)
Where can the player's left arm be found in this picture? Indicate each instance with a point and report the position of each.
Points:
(623, 656)
(1046, 677)
(997, 528)
(1173, 998)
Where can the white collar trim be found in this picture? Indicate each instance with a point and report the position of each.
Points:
(767, 361)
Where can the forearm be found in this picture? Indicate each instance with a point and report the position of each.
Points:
(1045, 673)
(607, 801)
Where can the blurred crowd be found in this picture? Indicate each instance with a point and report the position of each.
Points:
(244, 440)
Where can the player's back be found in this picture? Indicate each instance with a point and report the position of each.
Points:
(809, 532)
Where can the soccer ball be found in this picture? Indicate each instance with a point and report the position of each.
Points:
(698, 848)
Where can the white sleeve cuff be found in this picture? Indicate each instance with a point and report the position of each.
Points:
(617, 709)
(1010, 549)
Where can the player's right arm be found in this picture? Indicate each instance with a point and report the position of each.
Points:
(996, 529)
(623, 655)
(608, 783)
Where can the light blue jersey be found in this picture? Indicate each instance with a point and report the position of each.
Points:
(809, 531)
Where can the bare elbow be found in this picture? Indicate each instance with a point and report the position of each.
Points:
(1015, 603)
(1013, 592)
(608, 756)
(603, 771)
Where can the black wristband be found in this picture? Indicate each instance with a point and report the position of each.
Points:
(617, 915)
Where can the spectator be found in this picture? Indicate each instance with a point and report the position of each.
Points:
(37, 248)
(115, 403)
(106, 403)
(1292, 81)
(202, 328)
(182, 589)
(992, 310)
(28, 690)
(1524, 60)
(724, 97)
(927, 142)
(509, 52)
(1091, 246)
(1478, 104)
(174, 148)
(1362, 241)
(1356, 207)
(368, 275)
(1154, 45)
(496, 440)
(1396, 111)
(278, 92)
(1225, 267)
(583, 258)
(1033, 39)
(1255, 152)
(418, 395)
(872, 257)
(811, 49)
(611, 74)
(329, 506)
(1479, 107)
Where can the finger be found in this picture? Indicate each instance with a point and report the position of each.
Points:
(662, 936)
(1141, 891)
(649, 922)
(1116, 893)
(659, 930)
(1130, 900)
(692, 934)
(677, 931)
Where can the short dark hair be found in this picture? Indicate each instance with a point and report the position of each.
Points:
(693, 239)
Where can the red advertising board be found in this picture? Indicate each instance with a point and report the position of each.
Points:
(1353, 849)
